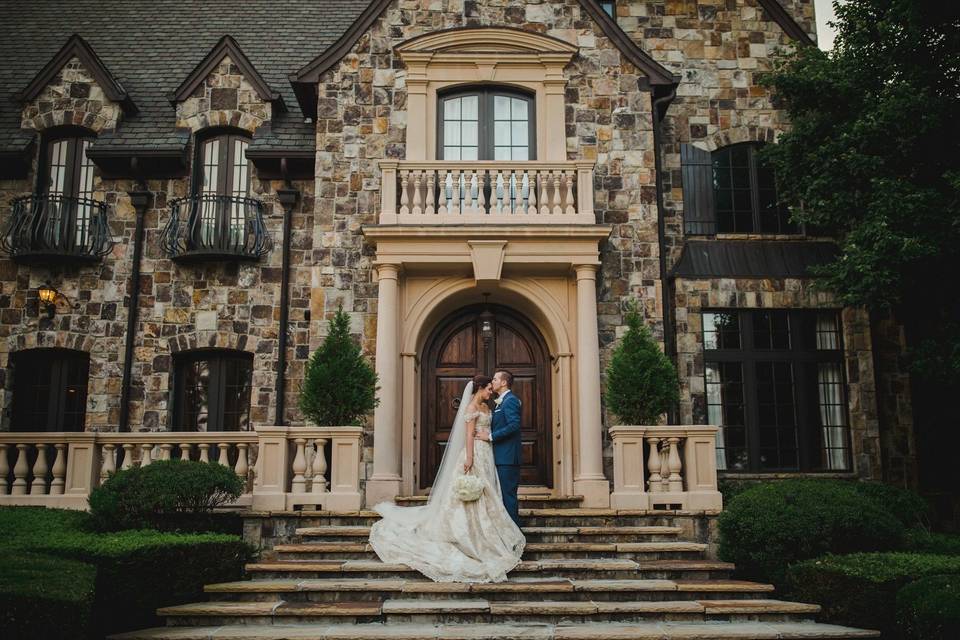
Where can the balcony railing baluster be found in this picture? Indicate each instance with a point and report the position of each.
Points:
(54, 226)
(216, 227)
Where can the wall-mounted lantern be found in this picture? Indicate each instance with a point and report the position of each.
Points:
(48, 299)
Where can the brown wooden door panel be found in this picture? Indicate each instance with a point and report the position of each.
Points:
(455, 353)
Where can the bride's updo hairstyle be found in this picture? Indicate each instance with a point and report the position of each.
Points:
(479, 382)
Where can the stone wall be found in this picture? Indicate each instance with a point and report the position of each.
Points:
(181, 306)
(73, 97)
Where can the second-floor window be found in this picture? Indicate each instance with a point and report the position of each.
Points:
(211, 390)
(486, 124)
(731, 190)
(222, 182)
(67, 183)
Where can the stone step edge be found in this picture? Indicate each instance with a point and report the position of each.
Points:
(558, 585)
(347, 531)
(596, 564)
(583, 511)
(493, 607)
(622, 547)
(523, 497)
(564, 631)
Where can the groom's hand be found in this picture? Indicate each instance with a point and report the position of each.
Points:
(483, 436)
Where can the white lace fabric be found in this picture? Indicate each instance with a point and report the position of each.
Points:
(464, 541)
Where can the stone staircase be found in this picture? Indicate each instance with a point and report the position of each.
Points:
(586, 574)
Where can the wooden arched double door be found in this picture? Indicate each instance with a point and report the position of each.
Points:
(482, 339)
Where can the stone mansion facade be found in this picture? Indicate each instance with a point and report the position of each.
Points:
(190, 190)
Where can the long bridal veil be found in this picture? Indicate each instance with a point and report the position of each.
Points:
(443, 483)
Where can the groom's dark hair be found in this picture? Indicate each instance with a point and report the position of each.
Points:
(507, 377)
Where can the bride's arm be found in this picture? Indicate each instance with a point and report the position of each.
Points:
(471, 432)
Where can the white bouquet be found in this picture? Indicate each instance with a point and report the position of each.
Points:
(468, 487)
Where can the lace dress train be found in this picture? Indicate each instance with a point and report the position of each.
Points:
(464, 541)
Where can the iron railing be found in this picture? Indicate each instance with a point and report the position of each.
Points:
(53, 226)
(216, 227)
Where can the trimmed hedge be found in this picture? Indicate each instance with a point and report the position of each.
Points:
(767, 526)
(44, 597)
(165, 495)
(923, 541)
(860, 589)
(929, 608)
(136, 571)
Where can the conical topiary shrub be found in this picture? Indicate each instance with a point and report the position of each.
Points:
(641, 381)
(339, 385)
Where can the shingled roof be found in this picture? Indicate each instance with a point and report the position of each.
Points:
(150, 47)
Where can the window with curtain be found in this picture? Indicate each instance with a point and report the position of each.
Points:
(211, 390)
(222, 170)
(774, 385)
(49, 389)
(731, 190)
(67, 181)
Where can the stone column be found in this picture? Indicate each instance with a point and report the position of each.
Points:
(589, 480)
(385, 482)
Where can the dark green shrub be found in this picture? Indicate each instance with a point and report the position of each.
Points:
(929, 608)
(44, 597)
(923, 541)
(903, 504)
(860, 589)
(136, 571)
(339, 385)
(770, 525)
(157, 495)
(641, 381)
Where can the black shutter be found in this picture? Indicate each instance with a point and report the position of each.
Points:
(699, 216)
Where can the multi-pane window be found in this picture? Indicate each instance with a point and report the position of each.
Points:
(486, 124)
(212, 390)
(774, 384)
(223, 183)
(731, 190)
(68, 185)
(745, 193)
(49, 390)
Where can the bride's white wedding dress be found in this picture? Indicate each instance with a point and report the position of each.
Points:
(449, 540)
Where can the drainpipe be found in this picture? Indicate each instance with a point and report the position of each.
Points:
(140, 199)
(288, 198)
(660, 106)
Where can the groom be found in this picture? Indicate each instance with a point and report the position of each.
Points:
(505, 437)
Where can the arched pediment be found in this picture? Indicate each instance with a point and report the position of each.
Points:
(473, 40)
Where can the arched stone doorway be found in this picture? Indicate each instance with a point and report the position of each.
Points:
(482, 339)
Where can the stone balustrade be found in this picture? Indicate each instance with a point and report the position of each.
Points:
(282, 467)
(483, 192)
(665, 467)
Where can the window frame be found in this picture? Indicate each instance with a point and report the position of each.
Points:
(225, 166)
(56, 360)
(748, 355)
(218, 360)
(485, 121)
(785, 227)
(74, 164)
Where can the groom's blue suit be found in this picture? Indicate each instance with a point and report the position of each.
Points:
(505, 437)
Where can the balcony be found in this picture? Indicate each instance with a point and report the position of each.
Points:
(471, 192)
(215, 227)
(56, 228)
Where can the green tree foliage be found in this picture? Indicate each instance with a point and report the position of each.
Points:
(873, 157)
(641, 380)
(339, 386)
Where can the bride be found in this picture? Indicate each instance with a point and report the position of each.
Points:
(449, 540)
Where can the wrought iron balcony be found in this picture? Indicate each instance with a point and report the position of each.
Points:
(57, 228)
(215, 227)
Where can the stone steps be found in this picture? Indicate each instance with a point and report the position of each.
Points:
(534, 550)
(611, 568)
(527, 501)
(564, 631)
(359, 589)
(533, 534)
(478, 610)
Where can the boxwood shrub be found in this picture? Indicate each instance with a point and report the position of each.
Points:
(767, 526)
(860, 589)
(164, 495)
(45, 597)
(929, 608)
(135, 571)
